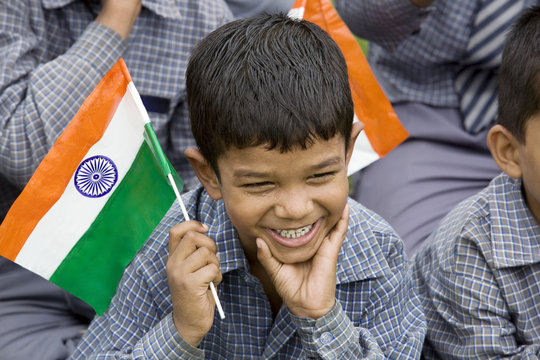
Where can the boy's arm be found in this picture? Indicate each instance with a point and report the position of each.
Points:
(132, 327)
(467, 314)
(385, 22)
(391, 327)
(140, 322)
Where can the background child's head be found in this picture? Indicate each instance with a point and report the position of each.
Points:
(514, 141)
(268, 80)
(519, 74)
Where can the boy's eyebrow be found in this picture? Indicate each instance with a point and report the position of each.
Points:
(328, 162)
(259, 174)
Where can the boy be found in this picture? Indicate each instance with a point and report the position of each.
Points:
(298, 276)
(479, 274)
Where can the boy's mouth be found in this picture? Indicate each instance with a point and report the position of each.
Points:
(294, 233)
(295, 237)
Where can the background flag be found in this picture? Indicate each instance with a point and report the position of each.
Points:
(95, 198)
(382, 129)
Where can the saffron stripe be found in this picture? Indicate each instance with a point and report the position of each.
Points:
(40, 194)
(117, 233)
(371, 106)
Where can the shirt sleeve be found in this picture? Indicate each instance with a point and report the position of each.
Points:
(392, 326)
(467, 315)
(38, 96)
(385, 22)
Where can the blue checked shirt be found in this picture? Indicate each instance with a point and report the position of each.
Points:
(53, 56)
(415, 53)
(479, 278)
(377, 313)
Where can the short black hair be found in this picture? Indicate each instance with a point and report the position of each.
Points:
(519, 74)
(267, 80)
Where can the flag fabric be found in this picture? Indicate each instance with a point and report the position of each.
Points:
(382, 129)
(95, 198)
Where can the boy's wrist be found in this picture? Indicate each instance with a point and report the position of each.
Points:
(312, 313)
(193, 338)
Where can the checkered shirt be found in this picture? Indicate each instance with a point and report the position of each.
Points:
(479, 278)
(53, 56)
(377, 313)
(415, 53)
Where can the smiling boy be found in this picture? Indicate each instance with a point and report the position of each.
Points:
(301, 270)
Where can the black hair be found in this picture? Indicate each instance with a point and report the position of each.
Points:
(519, 74)
(267, 80)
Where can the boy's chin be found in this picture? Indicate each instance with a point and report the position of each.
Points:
(295, 255)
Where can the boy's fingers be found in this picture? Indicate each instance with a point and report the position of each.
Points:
(267, 260)
(199, 259)
(182, 231)
(337, 236)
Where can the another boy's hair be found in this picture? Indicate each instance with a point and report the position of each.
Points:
(267, 80)
(519, 74)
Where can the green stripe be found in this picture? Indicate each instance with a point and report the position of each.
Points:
(93, 268)
(151, 137)
(167, 168)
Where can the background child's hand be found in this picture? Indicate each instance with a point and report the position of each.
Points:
(308, 288)
(191, 266)
(119, 15)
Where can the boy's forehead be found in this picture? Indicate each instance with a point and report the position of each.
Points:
(311, 144)
(317, 152)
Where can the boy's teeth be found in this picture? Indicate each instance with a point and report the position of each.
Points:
(291, 234)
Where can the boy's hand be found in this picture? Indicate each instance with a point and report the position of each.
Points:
(191, 266)
(119, 15)
(308, 288)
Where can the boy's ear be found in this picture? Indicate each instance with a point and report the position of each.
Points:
(504, 149)
(204, 172)
(357, 127)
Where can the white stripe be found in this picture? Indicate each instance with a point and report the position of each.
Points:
(71, 216)
(363, 153)
(297, 13)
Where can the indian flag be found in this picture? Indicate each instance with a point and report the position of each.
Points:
(382, 129)
(95, 198)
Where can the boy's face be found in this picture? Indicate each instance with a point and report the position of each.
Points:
(291, 200)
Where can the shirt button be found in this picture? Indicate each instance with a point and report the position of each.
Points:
(326, 338)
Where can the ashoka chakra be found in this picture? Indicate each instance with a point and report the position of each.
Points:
(96, 176)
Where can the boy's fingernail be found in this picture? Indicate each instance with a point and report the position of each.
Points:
(259, 242)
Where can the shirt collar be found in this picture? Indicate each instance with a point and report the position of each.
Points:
(516, 233)
(230, 251)
(361, 257)
(169, 9)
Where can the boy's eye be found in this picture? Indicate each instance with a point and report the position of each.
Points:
(323, 176)
(256, 185)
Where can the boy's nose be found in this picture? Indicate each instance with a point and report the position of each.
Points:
(294, 204)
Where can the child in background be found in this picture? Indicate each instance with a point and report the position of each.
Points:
(479, 273)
